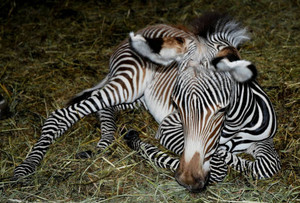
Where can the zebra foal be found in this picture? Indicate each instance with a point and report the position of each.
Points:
(198, 89)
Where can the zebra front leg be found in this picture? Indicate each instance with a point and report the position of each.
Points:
(163, 160)
(266, 164)
(218, 169)
(108, 127)
(151, 152)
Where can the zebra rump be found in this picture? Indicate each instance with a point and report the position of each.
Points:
(212, 27)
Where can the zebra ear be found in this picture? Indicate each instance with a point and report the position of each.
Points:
(241, 70)
(162, 50)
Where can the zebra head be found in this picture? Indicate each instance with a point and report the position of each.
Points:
(201, 98)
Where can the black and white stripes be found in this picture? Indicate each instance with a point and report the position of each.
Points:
(195, 85)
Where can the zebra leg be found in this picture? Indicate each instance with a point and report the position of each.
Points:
(125, 83)
(170, 133)
(108, 128)
(218, 169)
(151, 152)
(266, 162)
(55, 125)
(107, 118)
(218, 166)
(58, 122)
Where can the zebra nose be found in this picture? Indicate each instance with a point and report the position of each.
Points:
(191, 174)
(193, 183)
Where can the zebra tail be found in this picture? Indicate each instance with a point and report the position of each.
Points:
(86, 93)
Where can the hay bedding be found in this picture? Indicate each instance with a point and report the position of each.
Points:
(51, 50)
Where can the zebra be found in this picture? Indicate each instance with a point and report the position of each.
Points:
(151, 69)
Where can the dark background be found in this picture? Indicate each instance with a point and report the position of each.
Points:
(51, 50)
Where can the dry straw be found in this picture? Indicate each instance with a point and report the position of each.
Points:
(51, 50)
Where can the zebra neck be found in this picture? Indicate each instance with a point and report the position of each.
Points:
(250, 117)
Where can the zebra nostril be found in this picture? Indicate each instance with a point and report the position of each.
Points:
(195, 188)
(199, 186)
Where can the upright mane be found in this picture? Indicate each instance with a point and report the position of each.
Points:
(219, 25)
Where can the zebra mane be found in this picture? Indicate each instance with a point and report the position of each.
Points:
(216, 25)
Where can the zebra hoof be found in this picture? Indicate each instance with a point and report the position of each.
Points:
(131, 135)
(132, 138)
(22, 180)
(84, 155)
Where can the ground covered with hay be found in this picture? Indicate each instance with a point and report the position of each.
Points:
(51, 50)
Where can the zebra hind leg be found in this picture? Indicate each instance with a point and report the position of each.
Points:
(56, 125)
(108, 127)
(107, 118)
(266, 164)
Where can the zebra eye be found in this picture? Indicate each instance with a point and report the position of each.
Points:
(174, 104)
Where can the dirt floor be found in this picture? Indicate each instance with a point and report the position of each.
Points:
(51, 50)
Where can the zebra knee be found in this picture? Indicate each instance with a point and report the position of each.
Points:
(266, 165)
(237, 163)
(267, 162)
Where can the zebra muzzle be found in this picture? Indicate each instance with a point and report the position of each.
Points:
(191, 175)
